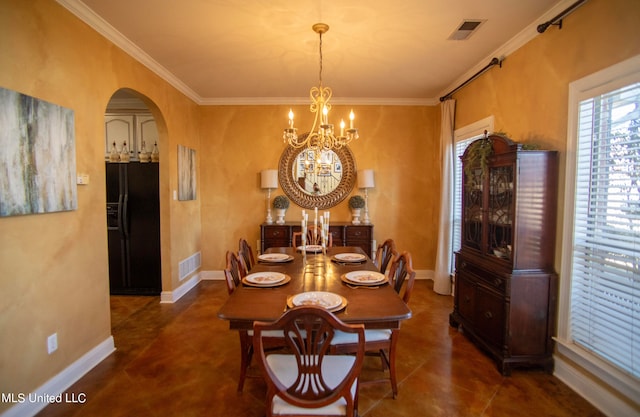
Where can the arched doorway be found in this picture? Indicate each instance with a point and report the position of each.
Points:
(133, 198)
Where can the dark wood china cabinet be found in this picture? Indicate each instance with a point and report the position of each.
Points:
(505, 284)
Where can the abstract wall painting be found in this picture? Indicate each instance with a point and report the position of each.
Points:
(186, 173)
(37, 156)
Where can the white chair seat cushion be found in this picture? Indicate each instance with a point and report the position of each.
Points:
(334, 369)
(370, 335)
(268, 333)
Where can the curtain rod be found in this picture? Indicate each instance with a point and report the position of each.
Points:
(558, 19)
(494, 61)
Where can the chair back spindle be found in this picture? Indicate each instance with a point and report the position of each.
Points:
(401, 274)
(312, 238)
(245, 253)
(384, 254)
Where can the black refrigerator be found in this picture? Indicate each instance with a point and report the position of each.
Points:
(133, 228)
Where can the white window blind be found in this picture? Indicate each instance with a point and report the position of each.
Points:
(457, 189)
(605, 277)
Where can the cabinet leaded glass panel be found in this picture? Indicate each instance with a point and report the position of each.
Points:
(500, 210)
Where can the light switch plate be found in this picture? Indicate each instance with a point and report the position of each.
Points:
(82, 179)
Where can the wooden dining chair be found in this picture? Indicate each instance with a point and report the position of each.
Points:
(235, 270)
(245, 253)
(402, 276)
(383, 342)
(274, 339)
(296, 237)
(311, 380)
(384, 254)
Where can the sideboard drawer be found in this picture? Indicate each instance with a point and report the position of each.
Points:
(358, 232)
(276, 232)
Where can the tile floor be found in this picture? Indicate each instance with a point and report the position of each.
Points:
(181, 360)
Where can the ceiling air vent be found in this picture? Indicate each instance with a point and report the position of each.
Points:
(465, 30)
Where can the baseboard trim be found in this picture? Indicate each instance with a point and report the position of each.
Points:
(55, 387)
(213, 275)
(424, 274)
(169, 297)
(591, 391)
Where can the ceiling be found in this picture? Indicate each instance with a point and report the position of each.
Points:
(264, 51)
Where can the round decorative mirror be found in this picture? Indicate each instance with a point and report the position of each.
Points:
(319, 179)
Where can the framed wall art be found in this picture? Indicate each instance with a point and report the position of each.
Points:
(37, 156)
(186, 173)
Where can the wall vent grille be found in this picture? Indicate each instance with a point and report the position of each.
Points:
(189, 265)
(466, 29)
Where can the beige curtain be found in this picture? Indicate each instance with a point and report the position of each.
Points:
(441, 279)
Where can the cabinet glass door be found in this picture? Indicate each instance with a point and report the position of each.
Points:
(500, 211)
(472, 201)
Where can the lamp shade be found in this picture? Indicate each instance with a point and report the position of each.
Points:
(365, 178)
(269, 178)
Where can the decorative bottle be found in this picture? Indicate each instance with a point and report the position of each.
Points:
(143, 155)
(114, 156)
(155, 153)
(124, 153)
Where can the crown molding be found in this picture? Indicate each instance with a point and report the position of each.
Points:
(96, 22)
(88, 16)
(357, 101)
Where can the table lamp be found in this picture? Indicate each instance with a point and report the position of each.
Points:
(269, 181)
(365, 180)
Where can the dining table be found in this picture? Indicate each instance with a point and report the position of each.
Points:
(375, 306)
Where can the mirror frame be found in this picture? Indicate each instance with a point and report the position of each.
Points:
(309, 201)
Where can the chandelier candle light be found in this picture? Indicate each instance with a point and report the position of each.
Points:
(324, 222)
(303, 228)
(321, 136)
(269, 181)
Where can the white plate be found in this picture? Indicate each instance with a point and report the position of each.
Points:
(265, 278)
(324, 299)
(365, 277)
(350, 257)
(275, 257)
(311, 248)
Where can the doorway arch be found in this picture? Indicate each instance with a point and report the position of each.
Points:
(141, 119)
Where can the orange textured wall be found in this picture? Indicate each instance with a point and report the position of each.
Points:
(529, 95)
(398, 143)
(53, 267)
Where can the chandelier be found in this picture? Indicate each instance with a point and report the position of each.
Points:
(322, 135)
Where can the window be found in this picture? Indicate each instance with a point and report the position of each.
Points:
(457, 190)
(600, 296)
(463, 137)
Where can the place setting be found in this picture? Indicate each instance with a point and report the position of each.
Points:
(266, 279)
(327, 300)
(364, 279)
(310, 248)
(349, 258)
(274, 258)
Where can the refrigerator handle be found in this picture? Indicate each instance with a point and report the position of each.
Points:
(120, 223)
(125, 216)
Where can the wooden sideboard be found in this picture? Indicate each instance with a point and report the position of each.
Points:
(343, 234)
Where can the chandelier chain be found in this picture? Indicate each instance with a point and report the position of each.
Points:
(320, 72)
